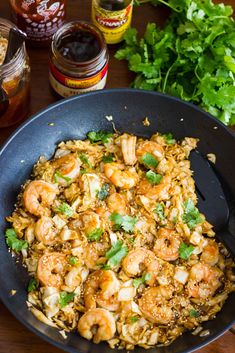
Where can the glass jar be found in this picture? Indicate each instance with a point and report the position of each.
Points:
(14, 81)
(78, 59)
(112, 17)
(39, 19)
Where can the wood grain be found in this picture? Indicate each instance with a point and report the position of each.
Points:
(15, 338)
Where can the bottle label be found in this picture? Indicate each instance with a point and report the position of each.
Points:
(113, 24)
(39, 19)
(67, 86)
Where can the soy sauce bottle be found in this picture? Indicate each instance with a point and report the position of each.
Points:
(112, 17)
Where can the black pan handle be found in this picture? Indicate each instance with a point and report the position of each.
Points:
(228, 240)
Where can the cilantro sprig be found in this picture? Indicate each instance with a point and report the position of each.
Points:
(108, 158)
(116, 253)
(85, 160)
(33, 285)
(149, 160)
(194, 313)
(65, 209)
(100, 136)
(169, 138)
(153, 178)
(191, 57)
(185, 251)
(73, 260)
(141, 280)
(95, 235)
(66, 298)
(125, 223)
(191, 216)
(159, 210)
(14, 242)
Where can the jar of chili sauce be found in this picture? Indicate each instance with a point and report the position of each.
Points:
(14, 81)
(39, 19)
(78, 59)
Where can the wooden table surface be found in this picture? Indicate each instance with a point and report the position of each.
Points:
(15, 338)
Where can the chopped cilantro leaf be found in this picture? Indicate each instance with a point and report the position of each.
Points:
(153, 177)
(33, 285)
(159, 210)
(66, 298)
(169, 138)
(133, 319)
(191, 216)
(73, 260)
(103, 192)
(65, 209)
(95, 235)
(116, 254)
(58, 176)
(14, 242)
(193, 313)
(101, 135)
(141, 280)
(149, 160)
(185, 251)
(108, 158)
(84, 159)
(126, 223)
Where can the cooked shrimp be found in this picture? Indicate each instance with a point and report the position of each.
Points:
(90, 221)
(204, 280)
(68, 166)
(117, 203)
(151, 147)
(128, 144)
(167, 245)
(100, 287)
(51, 269)
(45, 231)
(92, 252)
(121, 178)
(97, 317)
(38, 196)
(158, 192)
(154, 305)
(139, 260)
(210, 254)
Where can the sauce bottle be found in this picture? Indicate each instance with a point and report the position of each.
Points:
(112, 17)
(39, 19)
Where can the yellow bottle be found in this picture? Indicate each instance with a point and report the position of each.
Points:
(112, 17)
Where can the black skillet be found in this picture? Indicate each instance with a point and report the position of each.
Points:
(72, 119)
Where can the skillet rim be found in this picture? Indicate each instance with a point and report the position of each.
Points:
(59, 103)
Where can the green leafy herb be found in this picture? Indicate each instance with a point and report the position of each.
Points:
(95, 235)
(66, 298)
(58, 176)
(33, 285)
(133, 319)
(193, 313)
(191, 216)
(101, 135)
(153, 177)
(83, 157)
(185, 251)
(141, 280)
(108, 159)
(65, 209)
(169, 138)
(73, 260)
(175, 219)
(83, 171)
(14, 242)
(126, 223)
(159, 210)
(192, 57)
(116, 254)
(103, 192)
(149, 160)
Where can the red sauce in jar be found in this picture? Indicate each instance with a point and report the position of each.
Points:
(39, 19)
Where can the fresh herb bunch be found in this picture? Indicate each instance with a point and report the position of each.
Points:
(192, 57)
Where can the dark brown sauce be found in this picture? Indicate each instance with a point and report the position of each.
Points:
(79, 46)
(113, 5)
